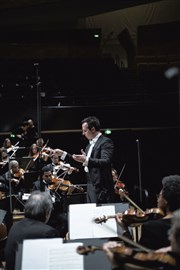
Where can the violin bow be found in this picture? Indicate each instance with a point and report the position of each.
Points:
(122, 171)
(131, 201)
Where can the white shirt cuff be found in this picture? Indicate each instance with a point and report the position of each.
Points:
(85, 163)
(64, 155)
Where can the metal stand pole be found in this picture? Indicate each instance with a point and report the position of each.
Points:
(139, 171)
(38, 84)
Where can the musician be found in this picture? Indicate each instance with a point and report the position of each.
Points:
(173, 250)
(38, 209)
(154, 233)
(31, 135)
(58, 218)
(40, 142)
(12, 180)
(59, 168)
(4, 160)
(7, 144)
(38, 159)
(118, 185)
(96, 160)
(21, 134)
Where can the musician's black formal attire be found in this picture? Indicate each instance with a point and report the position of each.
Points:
(100, 186)
(5, 179)
(58, 218)
(154, 233)
(25, 229)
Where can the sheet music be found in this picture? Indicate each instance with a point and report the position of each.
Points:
(65, 257)
(81, 220)
(82, 224)
(50, 254)
(109, 228)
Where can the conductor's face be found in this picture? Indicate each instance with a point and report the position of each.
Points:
(89, 134)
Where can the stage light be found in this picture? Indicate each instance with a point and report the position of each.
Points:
(107, 131)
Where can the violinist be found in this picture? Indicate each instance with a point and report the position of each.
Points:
(38, 161)
(58, 218)
(7, 148)
(154, 233)
(59, 168)
(118, 185)
(173, 250)
(4, 160)
(55, 166)
(13, 179)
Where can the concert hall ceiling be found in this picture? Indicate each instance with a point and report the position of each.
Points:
(43, 13)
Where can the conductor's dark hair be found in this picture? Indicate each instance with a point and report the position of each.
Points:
(92, 121)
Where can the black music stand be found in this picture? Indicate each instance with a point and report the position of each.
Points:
(8, 204)
(29, 179)
(26, 162)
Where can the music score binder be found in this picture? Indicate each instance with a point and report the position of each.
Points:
(50, 254)
(82, 224)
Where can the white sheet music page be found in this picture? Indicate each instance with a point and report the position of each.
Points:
(35, 253)
(83, 226)
(109, 228)
(51, 254)
(65, 257)
(81, 220)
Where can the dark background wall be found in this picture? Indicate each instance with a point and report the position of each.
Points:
(77, 77)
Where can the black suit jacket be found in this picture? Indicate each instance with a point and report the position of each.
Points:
(100, 185)
(25, 229)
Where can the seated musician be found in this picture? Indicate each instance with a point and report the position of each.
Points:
(4, 160)
(12, 180)
(6, 150)
(38, 209)
(118, 184)
(38, 161)
(168, 263)
(59, 168)
(154, 233)
(58, 218)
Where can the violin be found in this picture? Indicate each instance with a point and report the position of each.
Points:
(65, 167)
(119, 185)
(63, 185)
(123, 254)
(133, 217)
(19, 174)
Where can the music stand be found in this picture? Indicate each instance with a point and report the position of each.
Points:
(6, 205)
(26, 162)
(29, 179)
